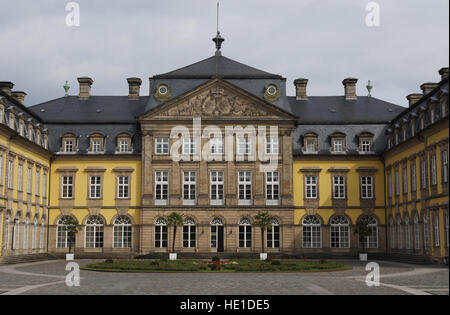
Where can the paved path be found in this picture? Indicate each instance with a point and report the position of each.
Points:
(49, 278)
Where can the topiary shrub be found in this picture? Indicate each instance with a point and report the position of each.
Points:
(216, 259)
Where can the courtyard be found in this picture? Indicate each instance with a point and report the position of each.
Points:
(48, 278)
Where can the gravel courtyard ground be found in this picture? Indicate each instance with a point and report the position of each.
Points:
(49, 278)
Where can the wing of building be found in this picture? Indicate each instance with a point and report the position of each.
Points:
(218, 142)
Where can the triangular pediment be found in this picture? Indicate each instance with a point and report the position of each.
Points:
(217, 99)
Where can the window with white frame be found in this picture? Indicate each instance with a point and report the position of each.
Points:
(162, 188)
(161, 233)
(272, 146)
(433, 170)
(1, 168)
(416, 232)
(162, 146)
(10, 174)
(413, 128)
(216, 146)
(189, 146)
(15, 238)
(366, 146)
(273, 188)
(443, 109)
(38, 182)
(123, 232)
(62, 235)
(96, 146)
(392, 232)
(426, 230)
(189, 188)
(124, 146)
(413, 178)
(432, 114)
(189, 233)
(69, 146)
(436, 230)
(273, 235)
(217, 188)
(7, 230)
(95, 187)
(405, 180)
(123, 187)
(339, 187)
(312, 232)
(42, 234)
(311, 187)
(340, 232)
(311, 145)
(245, 188)
(399, 233)
(397, 182)
(423, 174)
(244, 146)
(367, 187)
(25, 233)
(20, 177)
(94, 232)
(34, 234)
(215, 224)
(408, 233)
(44, 185)
(422, 123)
(389, 185)
(245, 233)
(404, 133)
(338, 146)
(370, 241)
(445, 166)
(67, 187)
(29, 175)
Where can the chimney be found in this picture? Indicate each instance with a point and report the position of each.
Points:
(300, 88)
(444, 73)
(413, 98)
(19, 96)
(428, 87)
(350, 88)
(6, 87)
(85, 87)
(134, 85)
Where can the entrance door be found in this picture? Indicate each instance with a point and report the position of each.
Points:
(220, 240)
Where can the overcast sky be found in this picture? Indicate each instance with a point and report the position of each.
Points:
(322, 40)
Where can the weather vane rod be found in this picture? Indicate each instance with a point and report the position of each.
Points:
(218, 39)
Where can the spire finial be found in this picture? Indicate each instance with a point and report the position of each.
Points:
(66, 88)
(369, 88)
(218, 39)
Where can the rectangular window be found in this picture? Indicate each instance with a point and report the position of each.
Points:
(38, 182)
(367, 187)
(67, 187)
(397, 183)
(44, 186)
(96, 146)
(272, 146)
(436, 230)
(162, 146)
(338, 146)
(311, 146)
(29, 180)
(124, 146)
(189, 188)
(433, 170)
(245, 188)
(405, 180)
(311, 187)
(68, 146)
(389, 185)
(432, 117)
(189, 146)
(413, 129)
(162, 188)
(95, 187)
(423, 174)
(444, 167)
(217, 186)
(20, 178)
(216, 146)
(10, 174)
(338, 187)
(244, 146)
(273, 188)
(123, 187)
(413, 178)
(366, 146)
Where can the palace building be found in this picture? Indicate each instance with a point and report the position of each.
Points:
(218, 141)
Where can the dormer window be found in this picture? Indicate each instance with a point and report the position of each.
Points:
(366, 143)
(68, 146)
(389, 142)
(124, 143)
(69, 143)
(432, 112)
(413, 128)
(404, 133)
(97, 143)
(338, 143)
(310, 143)
(422, 122)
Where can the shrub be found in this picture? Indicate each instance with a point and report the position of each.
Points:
(109, 261)
(216, 259)
(276, 263)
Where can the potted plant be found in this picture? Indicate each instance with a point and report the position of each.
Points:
(174, 219)
(72, 228)
(264, 221)
(363, 231)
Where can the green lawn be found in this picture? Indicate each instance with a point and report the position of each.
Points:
(239, 265)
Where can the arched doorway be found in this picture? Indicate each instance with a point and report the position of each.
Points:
(217, 235)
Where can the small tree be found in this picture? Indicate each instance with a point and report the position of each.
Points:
(264, 221)
(72, 228)
(363, 230)
(175, 219)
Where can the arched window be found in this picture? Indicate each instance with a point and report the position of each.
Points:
(340, 232)
(399, 233)
(34, 232)
(25, 233)
(426, 230)
(392, 230)
(408, 232)
(15, 244)
(416, 232)
(62, 237)
(214, 231)
(245, 233)
(7, 231)
(94, 232)
(312, 232)
(372, 240)
(161, 233)
(41, 238)
(273, 235)
(189, 233)
(122, 232)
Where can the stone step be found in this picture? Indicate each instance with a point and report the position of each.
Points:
(26, 258)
